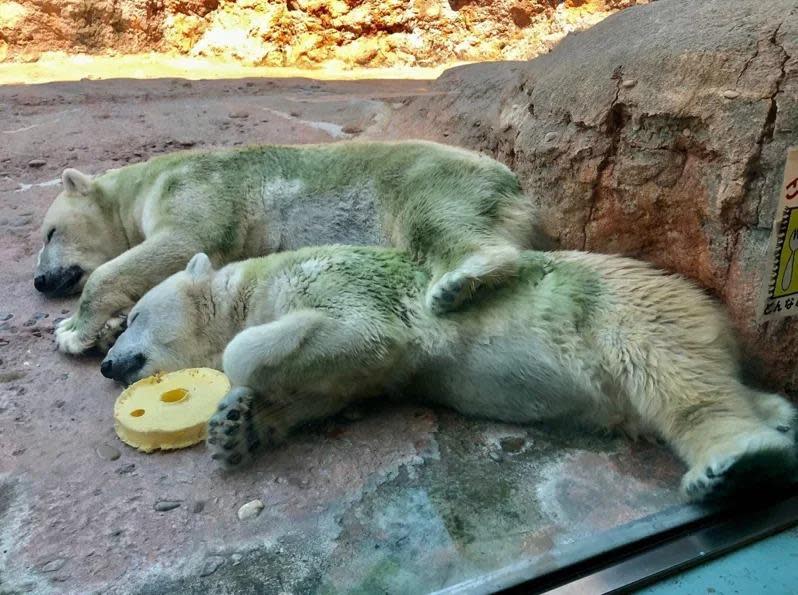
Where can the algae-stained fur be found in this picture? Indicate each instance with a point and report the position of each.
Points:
(119, 234)
(608, 340)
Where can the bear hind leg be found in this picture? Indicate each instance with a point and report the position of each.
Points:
(487, 267)
(725, 443)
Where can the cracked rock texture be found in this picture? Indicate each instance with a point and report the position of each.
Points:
(305, 33)
(660, 133)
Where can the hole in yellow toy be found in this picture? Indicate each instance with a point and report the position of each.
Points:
(175, 395)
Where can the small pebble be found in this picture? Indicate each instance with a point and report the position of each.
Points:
(36, 163)
(29, 322)
(6, 316)
(125, 469)
(211, 565)
(496, 456)
(729, 94)
(40, 315)
(238, 115)
(250, 510)
(108, 452)
(629, 83)
(18, 452)
(198, 507)
(551, 137)
(166, 505)
(64, 311)
(236, 558)
(512, 444)
(54, 565)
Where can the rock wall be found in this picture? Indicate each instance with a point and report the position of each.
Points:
(659, 133)
(304, 33)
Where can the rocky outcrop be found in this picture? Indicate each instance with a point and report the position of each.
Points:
(659, 133)
(304, 33)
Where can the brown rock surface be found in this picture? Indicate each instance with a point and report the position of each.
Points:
(304, 33)
(680, 168)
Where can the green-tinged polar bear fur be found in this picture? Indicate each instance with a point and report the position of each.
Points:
(126, 230)
(603, 339)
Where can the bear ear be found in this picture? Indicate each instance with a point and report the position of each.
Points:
(76, 182)
(199, 266)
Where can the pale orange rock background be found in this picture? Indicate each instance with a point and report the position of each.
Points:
(304, 33)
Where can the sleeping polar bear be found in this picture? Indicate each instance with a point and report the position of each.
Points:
(119, 234)
(604, 339)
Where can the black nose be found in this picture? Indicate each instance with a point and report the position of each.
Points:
(40, 283)
(121, 369)
(60, 281)
(106, 367)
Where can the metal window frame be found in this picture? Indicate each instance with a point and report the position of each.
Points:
(646, 551)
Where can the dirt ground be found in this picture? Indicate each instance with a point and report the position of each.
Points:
(400, 498)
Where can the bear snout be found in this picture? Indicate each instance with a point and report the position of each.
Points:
(59, 282)
(122, 368)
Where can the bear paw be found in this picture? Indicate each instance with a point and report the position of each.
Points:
(702, 482)
(448, 293)
(233, 436)
(110, 332)
(764, 458)
(69, 339)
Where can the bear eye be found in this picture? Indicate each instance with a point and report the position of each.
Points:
(50, 234)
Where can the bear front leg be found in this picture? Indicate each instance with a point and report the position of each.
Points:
(247, 423)
(300, 368)
(116, 286)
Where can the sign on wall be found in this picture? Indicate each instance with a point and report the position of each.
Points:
(781, 295)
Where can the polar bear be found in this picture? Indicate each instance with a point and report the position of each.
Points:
(119, 234)
(604, 339)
